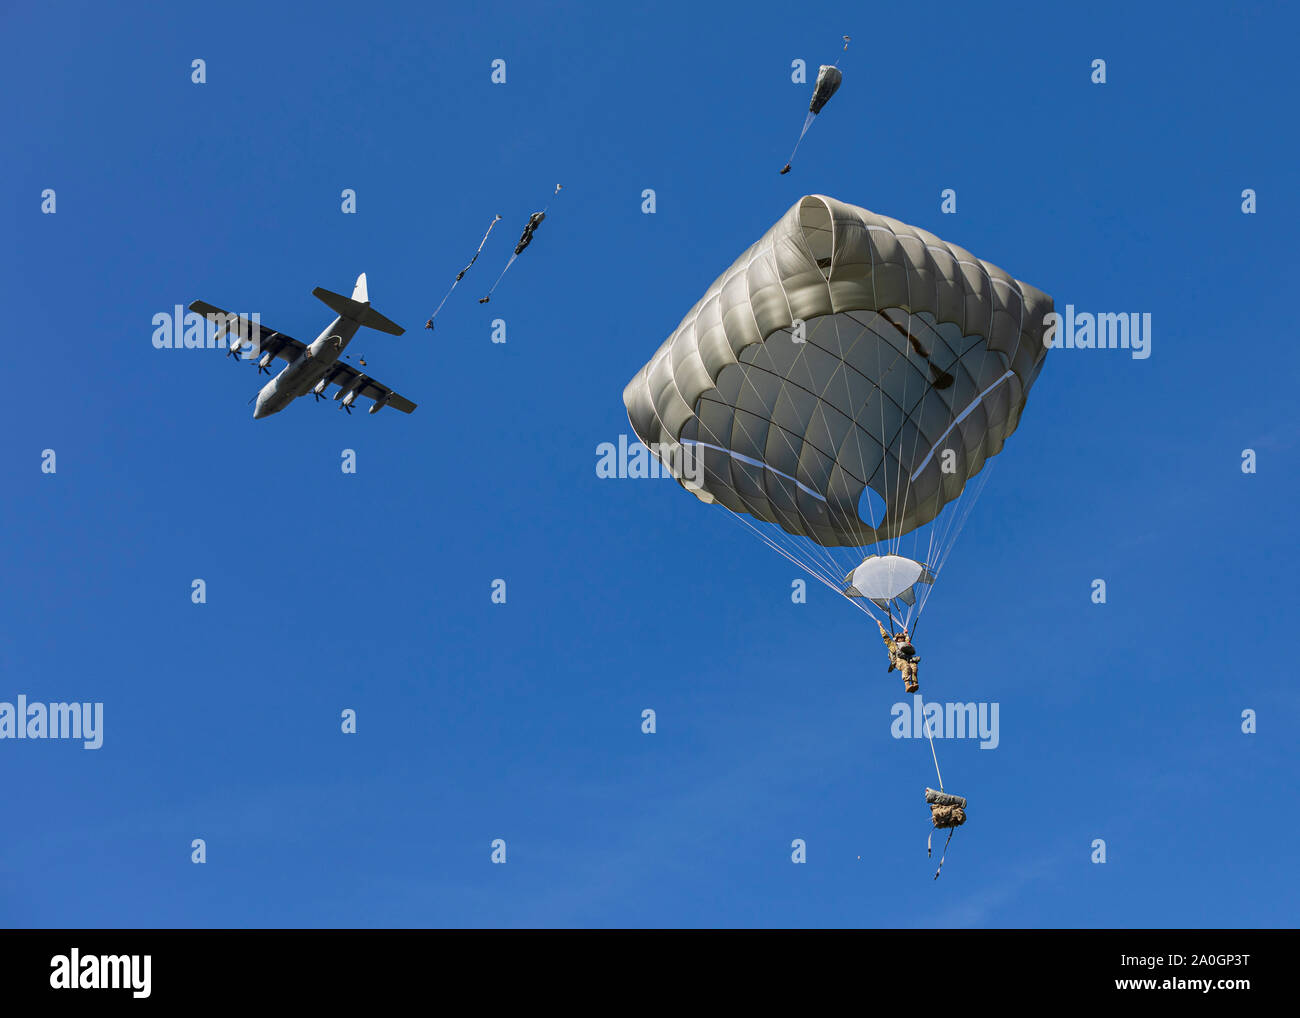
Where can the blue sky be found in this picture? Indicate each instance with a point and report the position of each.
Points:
(522, 721)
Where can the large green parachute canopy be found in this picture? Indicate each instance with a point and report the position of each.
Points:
(844, 354)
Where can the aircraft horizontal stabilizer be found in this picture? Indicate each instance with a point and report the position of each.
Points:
(358, 312)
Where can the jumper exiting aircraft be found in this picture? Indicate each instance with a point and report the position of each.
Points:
(316, 367)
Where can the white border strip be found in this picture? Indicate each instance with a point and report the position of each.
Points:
(961, 417)
(755, 463)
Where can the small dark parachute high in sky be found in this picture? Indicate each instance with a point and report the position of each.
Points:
(461, 274)
(525, 238)
(828, 83)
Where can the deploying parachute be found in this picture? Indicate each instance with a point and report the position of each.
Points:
(828, 83)
(525, 238)
(461, 274)
(843, 381)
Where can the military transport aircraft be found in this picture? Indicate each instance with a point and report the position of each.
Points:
(316, 367)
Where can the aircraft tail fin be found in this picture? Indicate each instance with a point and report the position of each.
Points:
(357, 308)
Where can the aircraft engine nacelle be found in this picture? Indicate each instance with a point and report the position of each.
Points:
(319, 387)
(350, 398)
(265, 361)
(379, 405)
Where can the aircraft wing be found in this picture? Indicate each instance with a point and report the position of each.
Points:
(347, 378)
(277, 344)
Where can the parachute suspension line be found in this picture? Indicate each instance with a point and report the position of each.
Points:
(803, 562)
(857, 524)
(819, 563)
(812, 551)
(461, 275)
(890, 483)
(906, 481)
(955, 527)
(490, 292)
(884, 445)
(864, 539)
(894, 613)
(890, 543)
(951, 526)
(911, 342)
(894, 541)
(961, 518)
(806, 565)
(956, 522)
(901, 481)
(801, 558)
(891, 521)
(811, 562)
(941, 534)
